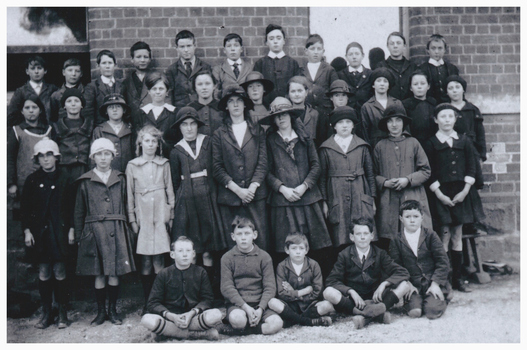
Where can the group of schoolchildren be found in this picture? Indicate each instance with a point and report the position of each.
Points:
(239, 171)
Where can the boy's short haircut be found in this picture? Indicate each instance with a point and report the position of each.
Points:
(272, 27)
(185, 34)
(362, 222)
(140, 45)
(313, 39)
(148, 129)
(181, 239)
(354, 44)
(299, 79)
(36, 59)
(411, 204)
(436, 37)
(203, 72)
(420, 72)
(296, 238)
(152, 78)
(72, 62)
(241, 222)
(399, 34)
(231, 36)
(106, 53)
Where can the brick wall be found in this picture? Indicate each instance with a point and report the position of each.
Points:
(119, 28)
(484, 42)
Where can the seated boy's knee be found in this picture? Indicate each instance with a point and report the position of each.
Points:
(212, 316)
(275, 305)
(238, 318)
(332, 295)
(324, 307)
(275, 323)
(150, 321)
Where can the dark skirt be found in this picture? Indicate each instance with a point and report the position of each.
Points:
(466, 212)
(199, 219)
(257, 212)
(307, 219)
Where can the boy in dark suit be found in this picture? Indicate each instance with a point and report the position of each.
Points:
(72, 72)
(319, 74)
(234, 69)
(276, 66)
(365, 281)
(357, 76)
(35, 70)
(134, 89)
(421, 252)
(437, 68)
(180, 73)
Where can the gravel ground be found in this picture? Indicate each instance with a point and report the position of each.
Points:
(490, 314)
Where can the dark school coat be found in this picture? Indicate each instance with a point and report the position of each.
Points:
(401, 89)
(393, 158)
(94, 94)
(179, 291)
(36, 201)
(196, 213)
(470, 123)
(421, 112)
(349, 273)
(347, 184)
(14, 116)
(74, 146)
(224, 76)
(133, 98)
(437, 81)
(283, 170)
(430, 264)
(57, 111)
(316, 125)
(371, 112)
(181, 84)
(279, 71)
(123, 142)
(101, 226)
(243, 165)
(361, 86)
(310, 275)
(210, 115)
(144, 116)
(320, 84)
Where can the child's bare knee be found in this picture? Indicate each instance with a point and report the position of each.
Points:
(44, 272)
(332, 295)
(150, 321)
(402, 289)
(275, 305)
(212, 316)
(324, 307)
(238, 318)
(272, 324)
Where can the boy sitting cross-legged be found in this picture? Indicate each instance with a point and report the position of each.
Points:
(299, 283)
(181, 297)
(248, 283)
(365, 281)
(421, 252)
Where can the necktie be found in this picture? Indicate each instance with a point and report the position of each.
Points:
(236, 70)
(363, 259)
(188, 68)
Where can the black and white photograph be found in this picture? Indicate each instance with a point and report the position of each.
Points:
(309, 173)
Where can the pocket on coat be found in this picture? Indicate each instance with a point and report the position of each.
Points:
(87, 244)
(366, 202)
(334, 214)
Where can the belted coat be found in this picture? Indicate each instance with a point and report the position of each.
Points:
(101, 226)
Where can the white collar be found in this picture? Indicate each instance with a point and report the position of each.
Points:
(276, 55)
(445, 138)
(436, 62)
(35, 85)
(238, 61)
(358, 70)
(416, 233)
(104, 176)
(150, 106)
(287, 139)
(107, 80)
(199, 141)
(361, 254)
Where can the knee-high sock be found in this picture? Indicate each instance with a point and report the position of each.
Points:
(294, 318)
(61, 291)
(345, 305)
(45, 289)
(390, 299)
(161, 326)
